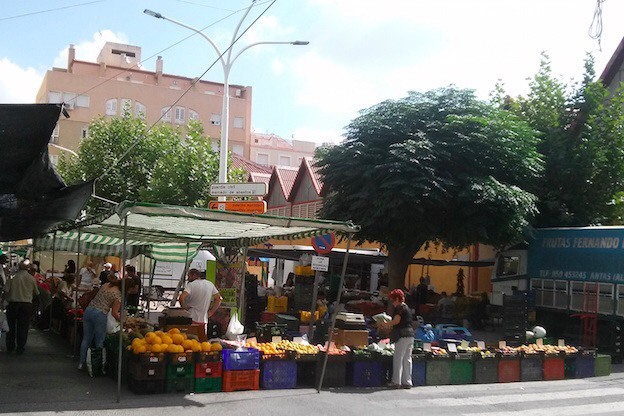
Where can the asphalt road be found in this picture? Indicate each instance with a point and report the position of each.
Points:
(45, 381)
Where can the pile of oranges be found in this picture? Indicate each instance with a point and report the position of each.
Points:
(172, 341)
(266, 348)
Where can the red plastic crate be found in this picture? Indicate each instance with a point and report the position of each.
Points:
(268, 317)
(508, 370)
(241, 380)
(203, 370)
(554, 368)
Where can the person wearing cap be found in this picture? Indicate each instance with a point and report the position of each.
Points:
(105, 274)
(425, 333)
(19, 291)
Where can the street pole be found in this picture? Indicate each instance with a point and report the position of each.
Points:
(227, 61)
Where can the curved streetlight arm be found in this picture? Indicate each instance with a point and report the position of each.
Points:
(240, 23)
(296, 43)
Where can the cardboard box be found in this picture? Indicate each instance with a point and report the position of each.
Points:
(350, 337)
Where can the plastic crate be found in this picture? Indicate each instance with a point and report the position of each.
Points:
(419, 371)
(366, 373)
(531, 368)
(139, 370)
(209, 369)
(277, 304)
(181, 358)
(241, 380)
(306, 373)
(266, 317)
(146, 386)
(278, 375)
(208, 385)
(180, 371)
(602, 365)
(508, 369)
(291, 322)
(439, 371)
(180, 385)
(235, 360)
(335, 373)
(554, 368)
(462, 371)
(486, 370)
(580, 366)
(149, 358)
(207, 357)
(266, 332)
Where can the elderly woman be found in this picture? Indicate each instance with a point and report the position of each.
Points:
(402, 336)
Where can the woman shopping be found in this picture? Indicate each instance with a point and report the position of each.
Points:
(95, 316)
(402, 336)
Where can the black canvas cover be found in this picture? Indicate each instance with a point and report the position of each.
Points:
(33, 197)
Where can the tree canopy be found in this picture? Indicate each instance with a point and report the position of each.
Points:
(163, 167)
(437, 166)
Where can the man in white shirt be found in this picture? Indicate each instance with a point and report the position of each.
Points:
(200, 297)
(87, 277)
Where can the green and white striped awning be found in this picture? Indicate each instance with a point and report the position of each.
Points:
(161, 231)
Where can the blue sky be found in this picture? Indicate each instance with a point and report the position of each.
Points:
(361, 51)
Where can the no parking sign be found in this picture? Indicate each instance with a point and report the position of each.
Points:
(323, 244)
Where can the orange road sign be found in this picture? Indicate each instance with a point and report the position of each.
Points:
(248, 207)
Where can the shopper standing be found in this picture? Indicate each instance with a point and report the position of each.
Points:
(402, 336)
(200, 297)
(19, 291)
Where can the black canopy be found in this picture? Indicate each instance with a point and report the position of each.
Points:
(33, 197)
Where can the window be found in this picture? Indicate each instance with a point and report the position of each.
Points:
(605, 298)
(284, 161)
(262, 159)
(179, 115)
(54, 159)
(577, 296)
(55, 135)
(238, 149)
(55, 97)
(193, 115)
(550, 293)
(166, 114)
(70, 99)
(215, 119)
(508, 265)
(139, 110)
(620, 300)
(126, 106)
(82, 101)
(111, 107)
(239, 123)
(85, 132)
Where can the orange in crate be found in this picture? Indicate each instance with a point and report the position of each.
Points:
(241, 380)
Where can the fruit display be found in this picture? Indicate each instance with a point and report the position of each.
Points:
(508, 350)
(439, 352)
(547, 349)
(282, 347)
(136, 325)
(172, 341)
(333, 350)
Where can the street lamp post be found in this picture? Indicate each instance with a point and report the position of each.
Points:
(226, 62)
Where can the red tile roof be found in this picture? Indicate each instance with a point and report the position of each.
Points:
(306, 168)
(239, 162)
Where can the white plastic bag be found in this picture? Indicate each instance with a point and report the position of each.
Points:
(234, 328)
(112, 326)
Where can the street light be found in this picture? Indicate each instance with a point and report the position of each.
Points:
(226, 62)
(63, 149)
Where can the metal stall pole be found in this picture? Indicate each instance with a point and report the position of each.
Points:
(76, 275)
(241, 311)
(149, 289)
(335, 313)
(312, 322)
(141, 289)
(187, 263)
(52, 280)
(122, 316)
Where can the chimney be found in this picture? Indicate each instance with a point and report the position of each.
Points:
(71, 57)
(159, 68)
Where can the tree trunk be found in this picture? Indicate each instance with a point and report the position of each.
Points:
(399, 258)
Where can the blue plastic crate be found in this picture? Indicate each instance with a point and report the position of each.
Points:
(278, 375)
(419, 372)
(367, 373)
(235, 360)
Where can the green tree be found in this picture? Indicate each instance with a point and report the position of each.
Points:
(439, 166)
(581, 130)
(161, 167)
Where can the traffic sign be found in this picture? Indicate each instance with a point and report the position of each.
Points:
(239, 189)
(323, 244)
(247, 207)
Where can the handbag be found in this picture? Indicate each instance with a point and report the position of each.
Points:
(85, 299)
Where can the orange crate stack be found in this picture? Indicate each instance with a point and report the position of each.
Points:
(241, 380)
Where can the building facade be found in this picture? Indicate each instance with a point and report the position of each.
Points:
(117, 83)
(272, 150)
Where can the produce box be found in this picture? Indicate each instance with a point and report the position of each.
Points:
(278, 375)
(235, 360)
(180, 385)
(508, 368)
(180, 371)
(241, 380)
(208, 369)
(207, 357)
(602, 365)
(350, 337)
(462, 371)
(140, 370)
(149, 358)
(181, 358)
(335, 372)
(366, 373)
(554, 368)
(146, 386)
(419, 371)
(531, 367)
(291, 322)
(277, 304)
(267, 317)
(485, 369)
(580, 366)
(208, 385)
(266, 332)
(439, 371)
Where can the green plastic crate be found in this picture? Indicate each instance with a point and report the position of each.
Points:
(438, 372)
(602, 365)
(462, 371)
(180, 371)
(208, 384)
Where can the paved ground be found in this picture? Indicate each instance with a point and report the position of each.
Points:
(45, 381)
